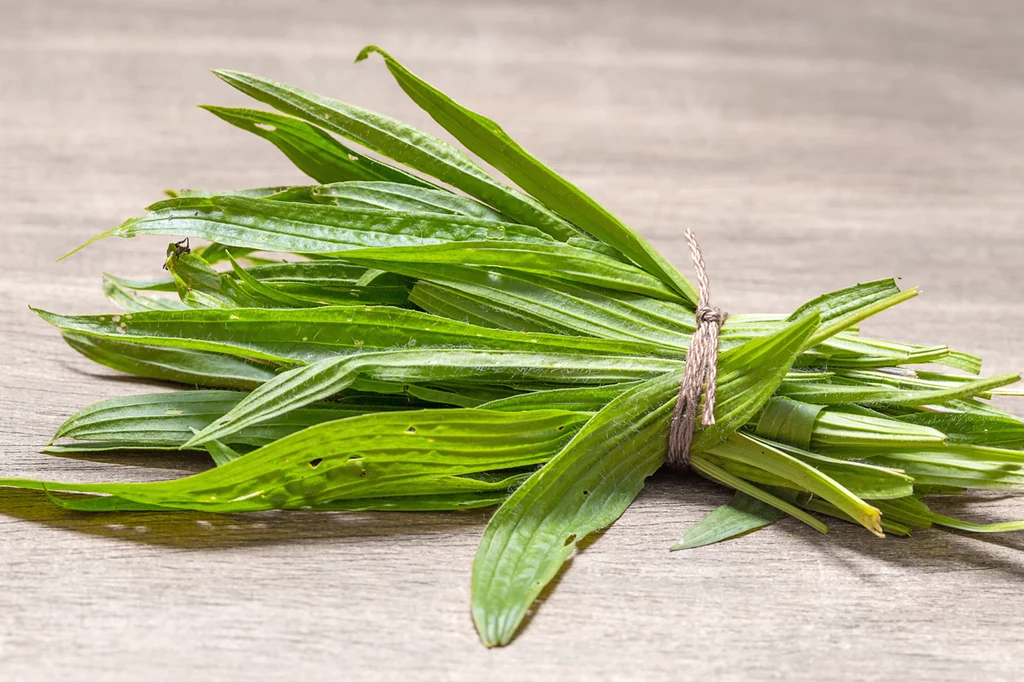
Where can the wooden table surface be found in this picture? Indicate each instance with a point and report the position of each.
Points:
(810, 145)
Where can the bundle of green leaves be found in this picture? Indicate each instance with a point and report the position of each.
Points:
(440, 340)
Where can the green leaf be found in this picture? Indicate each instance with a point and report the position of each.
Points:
(132, 302)
(159, 284)
(425, 452)
(563, 307)
(309, 334)
(867, 481)
(857, 314)
(319, 380)
(592, 481)
(789, 421)
(200, 286)
(404, 144)
(220, 453)
(741, 516)
(312, 150)
(309, 228)
(762, 454)
(215, 253)
(822, 507)
(703, 465)
(584, 488)
(249, 193)
(1000, 527)
(273, 296)
(980, 429)
(835, 429)
(910, 511)
(333, 282)
(583, 399)
(553, 260)
(180, 365)
(960, 466)
(962, 361)
(456, 305)
(837, 304)
(833, 394)
(486, 139)
(390, 196)
(168, 420)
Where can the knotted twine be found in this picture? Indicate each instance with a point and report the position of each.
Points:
(701, 368)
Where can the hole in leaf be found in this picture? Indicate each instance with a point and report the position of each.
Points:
(586, 492)
(562, 427)
(265, 126)
(314, 463)
(571, 539)
(411, 429)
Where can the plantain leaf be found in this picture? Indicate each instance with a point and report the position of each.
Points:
(982, 429)
(404, 144)
(312, 150)
(553, 260)
(220, 453)
(590, 483)
(309, 228)
(456, 305)
(842, 302)
(425, 452)
(200, 286)
(180, 365)
(486, 139)
(832, 394)
(390, 196)
(867, 481)
(133, 302)
(761, 454)
(858, 313)
(563, 307)
(333, 282)
(582, 399)
(977, 467)
(743, 515)
(319, 380)
(703, 465)
(168, 420)
(290, 337)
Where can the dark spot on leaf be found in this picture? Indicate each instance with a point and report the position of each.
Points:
(562, 427)
(316, 462)
(586, 492)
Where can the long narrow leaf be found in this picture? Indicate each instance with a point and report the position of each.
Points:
(485, 138)
(309, 334)
(322, 379)
(313, 151)
(743, 515)
(309, 228)
(592, 481)
(402, 143)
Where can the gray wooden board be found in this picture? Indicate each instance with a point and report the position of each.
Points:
(810, 145)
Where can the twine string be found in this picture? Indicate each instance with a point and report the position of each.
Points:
(701, 368)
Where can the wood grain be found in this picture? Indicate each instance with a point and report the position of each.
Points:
(809, 145)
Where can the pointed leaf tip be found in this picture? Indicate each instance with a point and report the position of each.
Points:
(368, 50)
(228, 75)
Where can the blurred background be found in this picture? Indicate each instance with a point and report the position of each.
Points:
(810, 145)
